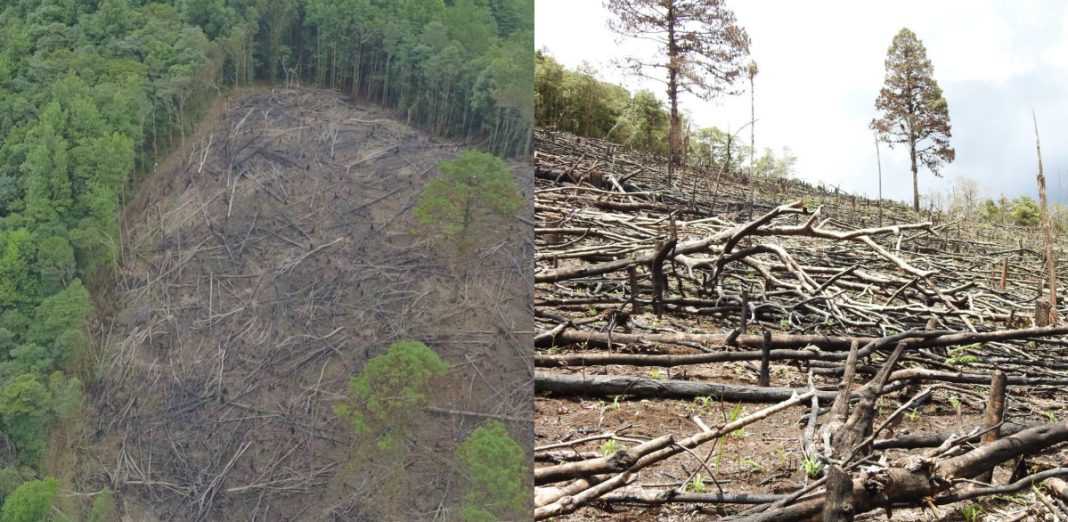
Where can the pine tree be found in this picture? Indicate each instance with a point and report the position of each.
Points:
(914, 112)
(702, 48)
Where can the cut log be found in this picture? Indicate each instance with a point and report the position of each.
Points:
(607, 385)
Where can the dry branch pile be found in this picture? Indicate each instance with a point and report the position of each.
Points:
(263, 265)
(679, 302)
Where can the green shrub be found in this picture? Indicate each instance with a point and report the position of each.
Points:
(103, 509)
(471, 194)
(390, 387)
(30, 502)
(497, 474)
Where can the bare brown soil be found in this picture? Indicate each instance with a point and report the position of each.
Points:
(264, 263)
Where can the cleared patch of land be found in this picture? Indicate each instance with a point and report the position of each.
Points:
(696, 308)
(262, 266)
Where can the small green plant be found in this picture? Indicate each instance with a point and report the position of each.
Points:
(963, 360)
(784, 457)
(955, 402)
(494, 470)
(913, 414)
(960, 357)
(1052, 416)
(784, 324)
(615, 403)
(703, 402)
(608, 447)
(697, 485)
(753, 465)
(812, 468)
(973, 513)
(1019, 500)
(736, 412)
(656, 374)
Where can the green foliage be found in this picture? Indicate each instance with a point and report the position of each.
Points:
(576, 101)
(473, 193)
(812, 468)
(24, 414)
(736, 412)
(11, 477)
(390, 387)
(960, 357)
(608, 447)
(461, 68)
(30, 502)
(498, 476)
(1024, 212)
(103, 509)
(696, 485)
(753, 465)
(914, 113)
(973, 513)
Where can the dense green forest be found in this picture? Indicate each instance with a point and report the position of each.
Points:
(577, 101)
(92, 91)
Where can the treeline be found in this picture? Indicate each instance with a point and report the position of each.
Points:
(460, 68)
(86, 89)
(964, 200)
(1022, 211)
(577, 101)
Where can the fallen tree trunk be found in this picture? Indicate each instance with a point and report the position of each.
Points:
(934, 440)
(642, 387)
(673, 496)
(918, 477)
(617, 461)
(914, 339)
(605, 385)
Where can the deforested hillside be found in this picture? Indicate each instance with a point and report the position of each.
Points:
(723, 347)
(265, 265)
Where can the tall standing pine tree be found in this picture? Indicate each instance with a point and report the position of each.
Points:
(703, 50)
(914, 112)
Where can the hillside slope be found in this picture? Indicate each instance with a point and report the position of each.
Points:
(264, 264)
(720, 311)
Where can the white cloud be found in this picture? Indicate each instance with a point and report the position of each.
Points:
(821, 67)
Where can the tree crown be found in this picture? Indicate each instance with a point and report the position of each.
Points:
(709, 46)
(913, 110)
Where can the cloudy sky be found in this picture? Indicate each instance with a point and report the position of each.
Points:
(821, 67)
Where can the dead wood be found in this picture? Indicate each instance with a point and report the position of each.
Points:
(640, 387)
(917, 478)
(815, 275)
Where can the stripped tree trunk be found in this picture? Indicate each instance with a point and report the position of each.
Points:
(1047, 239)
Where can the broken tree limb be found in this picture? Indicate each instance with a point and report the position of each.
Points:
(918, 478)
(570, 503)
(618, 461)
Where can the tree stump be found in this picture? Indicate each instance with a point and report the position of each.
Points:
(1042, 312)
